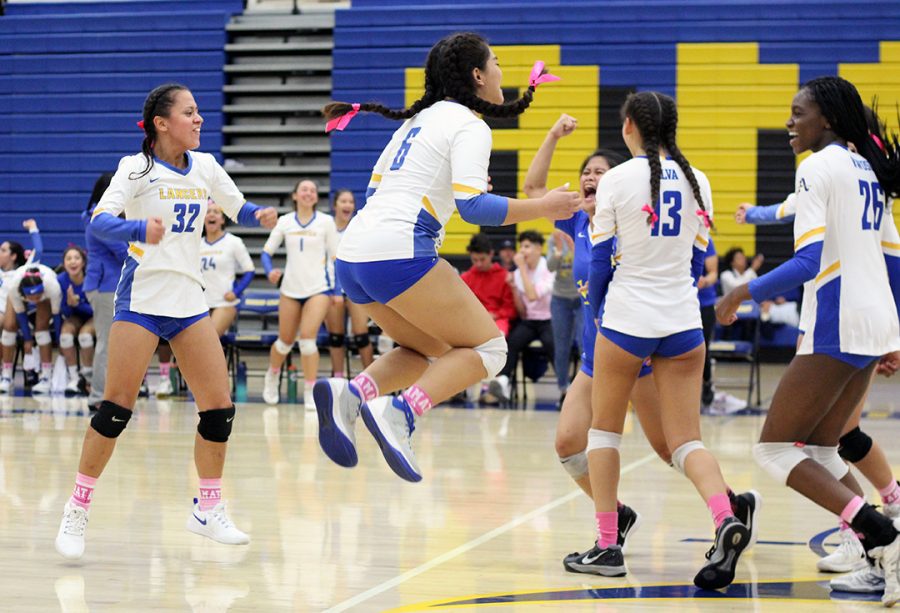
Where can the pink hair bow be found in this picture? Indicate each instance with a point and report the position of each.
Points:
(652, 212)
(140, 124)
(705, 216)
(339, 123)
(538, 75)
(878, 142)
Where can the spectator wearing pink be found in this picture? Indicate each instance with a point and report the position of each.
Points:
(532, 289)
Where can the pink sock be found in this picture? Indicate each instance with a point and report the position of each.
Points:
(418, 400)
(844, 525)
(890, 494)
(46, 368)
(720, 507)
(607, 528)
(164, 369)
(366, 386)
(310, 384)
(210, 493)
(274, 369)
(84, 491)
(852, 509)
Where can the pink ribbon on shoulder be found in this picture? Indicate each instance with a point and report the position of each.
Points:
(536, 77)
(339, 123)
(652, 212)
(705, 216)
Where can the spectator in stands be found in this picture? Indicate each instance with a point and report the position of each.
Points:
(488, 281)
(344, 207)
(77, 321)
(13, 256)
(226, 268)
(506, 252)
(565, 306)
(311, 241)
(533, 286)
(735, 269)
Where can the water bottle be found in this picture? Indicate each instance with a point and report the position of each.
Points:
(240, 385)
(292, 383)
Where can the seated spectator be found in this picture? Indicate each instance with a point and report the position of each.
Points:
(487, 280)
(533, 287)
(565, 306)
(506, 253)
(735, 269)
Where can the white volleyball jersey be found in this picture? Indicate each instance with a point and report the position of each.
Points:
(652, 292)
(841, 204)
(310, 247)
(165, 279)
(436, 157)
(220, 262)
(52, 291)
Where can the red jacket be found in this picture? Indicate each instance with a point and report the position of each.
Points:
(492, 290)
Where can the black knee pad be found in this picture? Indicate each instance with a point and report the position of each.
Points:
(335, 340)
(110, 419)
(215, 424)
(854, 445)
(361, 340)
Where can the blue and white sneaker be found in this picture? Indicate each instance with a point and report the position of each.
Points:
(337, 405)
(391, 421)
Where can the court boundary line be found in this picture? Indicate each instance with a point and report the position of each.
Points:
(476, 542)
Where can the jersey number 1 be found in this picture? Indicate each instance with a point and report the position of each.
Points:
(404, 149)
(871, 192)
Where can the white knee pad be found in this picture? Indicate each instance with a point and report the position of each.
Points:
(42, 337)
(493, 355)
(778, 459)
(829, 458)
(66, 340)
(85, 340)
(8, 338)
(601, 439)
(282, 347)
(681, 454)
(576, 465)
(308, 346)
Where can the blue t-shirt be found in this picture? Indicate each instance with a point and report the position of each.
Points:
(83, 310)
(707, 295)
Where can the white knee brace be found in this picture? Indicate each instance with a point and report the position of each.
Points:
(778, 459)
(601, 439)
(85, 340)
(829, 458)
(681, 454)
(66, 340)
(8, 338)
(576, 465)
(308, 346)
(282, 347)
(493, 355)
(42, 337)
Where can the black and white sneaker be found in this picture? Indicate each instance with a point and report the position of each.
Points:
(629, 520)
(732, 538)
(608, 562)
(746, 508)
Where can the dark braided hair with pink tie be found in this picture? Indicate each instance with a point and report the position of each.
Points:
(158, 103)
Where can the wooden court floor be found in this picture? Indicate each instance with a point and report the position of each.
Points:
(487, 527)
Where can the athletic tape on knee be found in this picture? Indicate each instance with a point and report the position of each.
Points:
(601, 439)
(66, 340)
(680, 455)
(829, 458)
(576, 465)
(335, 340)
(282, 347)
(85, 340)
(308, 346)
(215, 424)
(361, 341)
(778, 459)
(8, 338)
(110, 419)
(855, 445)
(42, 337)
(493, 355)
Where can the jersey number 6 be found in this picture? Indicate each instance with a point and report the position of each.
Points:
(181, 210)
(404, 149)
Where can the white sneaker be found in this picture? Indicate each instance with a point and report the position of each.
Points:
(164, 388)
(868, 580)
(70, 538)
(270, 387)
(308, 401)
(42, 386)
(337, 405)
(392, 422)
(72, 386)
(5, 384)
(216, 525)
(499, 387)
(849, 555)
(888, 558)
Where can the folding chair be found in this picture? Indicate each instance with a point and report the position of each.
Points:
(743, 351)
(261, 304)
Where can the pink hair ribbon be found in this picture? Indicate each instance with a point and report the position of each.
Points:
(652, 212)
(878, 142)
(140, 124)
(705, 216)
(339, 123)
(538, 75)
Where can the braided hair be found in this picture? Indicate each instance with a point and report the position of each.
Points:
(448, 74)
(158, 103)
(656, 118)
(839, 102)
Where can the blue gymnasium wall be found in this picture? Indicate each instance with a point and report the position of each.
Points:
(73, 78)
(733, 67)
